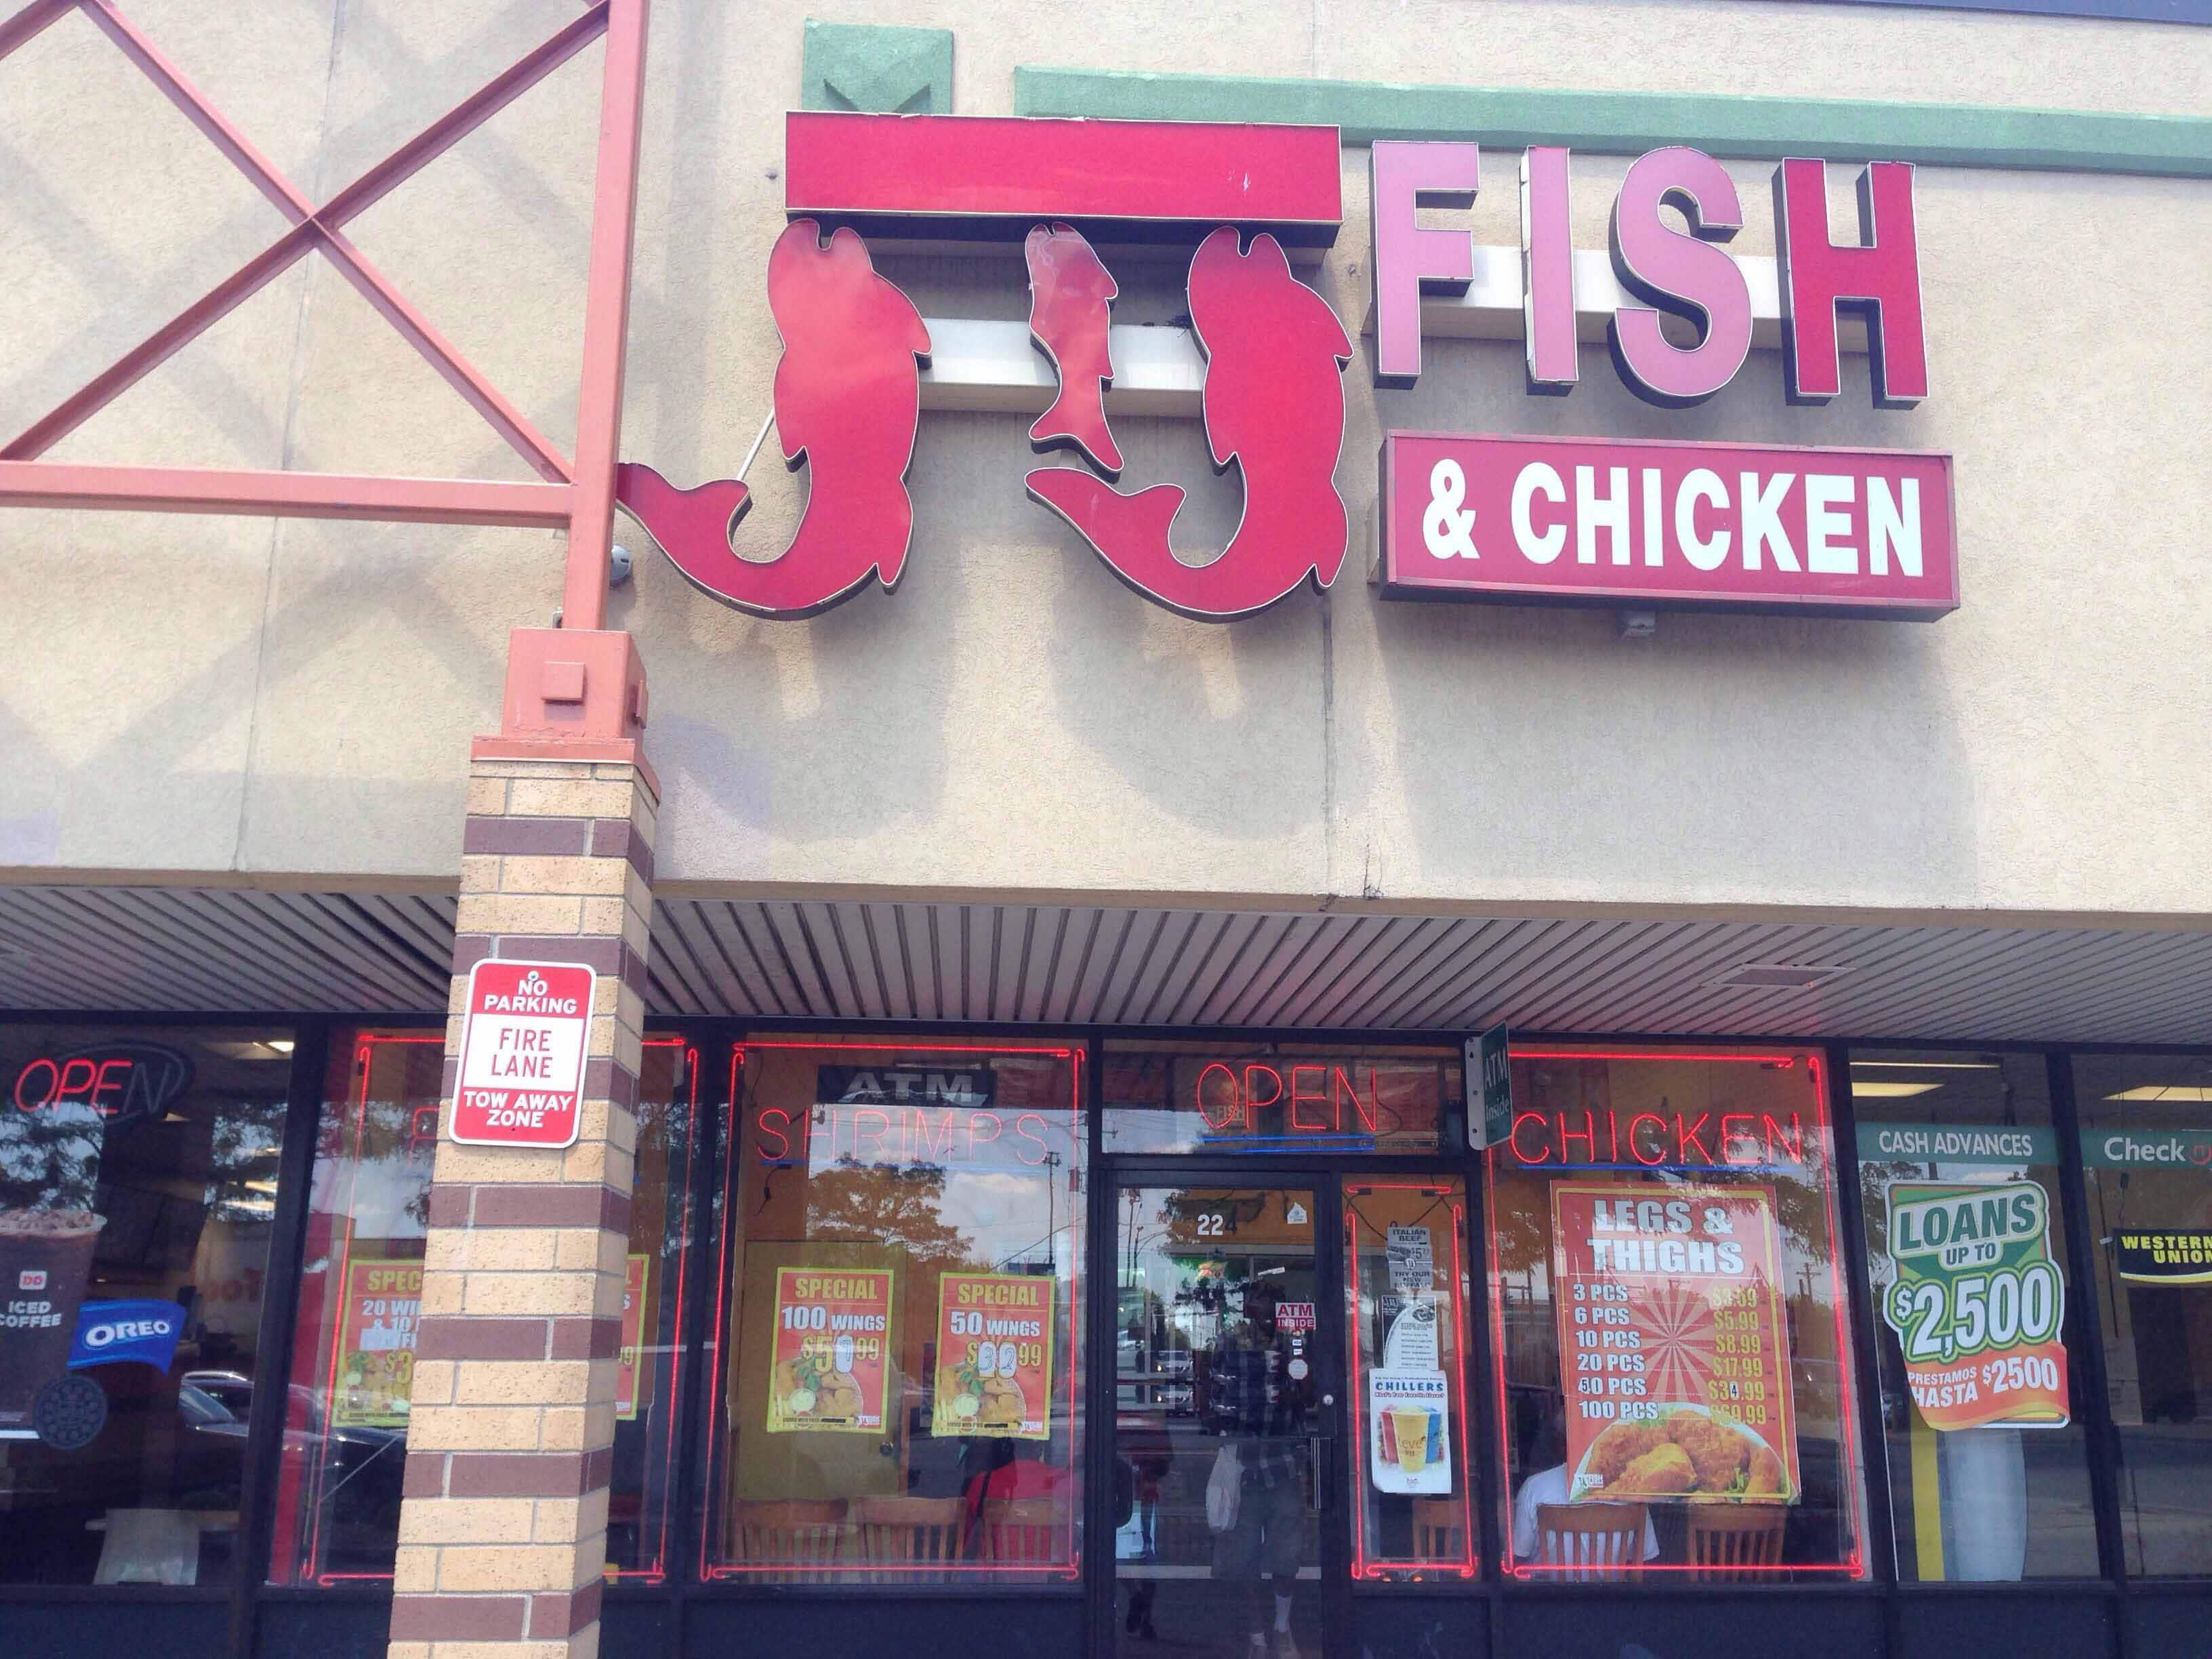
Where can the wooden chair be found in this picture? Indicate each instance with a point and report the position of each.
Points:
(921, 1534)
(1601, 1540)
(1439, 1530)
(1024, 1529)
(1736, 1541)
(807, 1536)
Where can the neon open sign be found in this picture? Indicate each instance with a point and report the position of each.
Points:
(1302, 1098)
(115, 1079)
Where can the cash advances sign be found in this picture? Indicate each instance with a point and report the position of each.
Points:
(1977, 1303)
(1860, 532)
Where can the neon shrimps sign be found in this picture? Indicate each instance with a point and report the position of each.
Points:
(848, 389)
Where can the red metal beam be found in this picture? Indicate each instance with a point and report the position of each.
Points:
(33, 20)
(606, 316)
(313, 227)
(585, 507)
(157, 348)
(276, 495)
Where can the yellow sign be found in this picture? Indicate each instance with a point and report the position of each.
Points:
(994, 1356)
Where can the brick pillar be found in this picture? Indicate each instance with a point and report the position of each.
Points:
(502, 1537)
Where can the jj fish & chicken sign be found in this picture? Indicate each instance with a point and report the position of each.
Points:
(1624, 523)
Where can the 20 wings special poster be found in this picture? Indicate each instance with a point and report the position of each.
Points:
(1674, 1353)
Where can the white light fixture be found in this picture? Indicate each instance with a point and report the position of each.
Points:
(261, 1186)
(1877, 1089)
(281, 1045)
(1925, 1064)
(2177, 1093)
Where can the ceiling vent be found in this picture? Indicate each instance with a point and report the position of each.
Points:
(1776, 976)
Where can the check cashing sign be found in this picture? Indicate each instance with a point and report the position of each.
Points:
(1978, 1303)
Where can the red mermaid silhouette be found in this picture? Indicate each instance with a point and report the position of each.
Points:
(848, 400)
(1071, 309)
(1273, 401)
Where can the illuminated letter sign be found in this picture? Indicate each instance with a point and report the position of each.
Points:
(131, 1082)
(1737, 526)
(1266, 372)
(1879, 274)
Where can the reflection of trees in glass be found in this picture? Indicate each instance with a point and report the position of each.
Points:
(50, 1157)
(850, 1202)
(244, 1142)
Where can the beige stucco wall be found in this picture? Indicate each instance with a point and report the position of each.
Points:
(293, 700)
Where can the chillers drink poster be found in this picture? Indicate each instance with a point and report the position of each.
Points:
(832, 1326)
(1977, 1303)
(1674, 1353)
(994, 1356)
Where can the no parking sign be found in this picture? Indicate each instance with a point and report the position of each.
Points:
(523, 1040)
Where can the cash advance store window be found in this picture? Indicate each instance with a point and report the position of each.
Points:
(1672, 1356)
(137, 1197)
(898, 1378)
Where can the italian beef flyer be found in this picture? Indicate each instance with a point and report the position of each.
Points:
(1978, 1303)
(1674, 1353)
(828, 1355)
(994, 1356)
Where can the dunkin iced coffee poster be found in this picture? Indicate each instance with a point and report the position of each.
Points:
(1674, 1353)
(994, 1356)
(829, 1353)
(50, 1157)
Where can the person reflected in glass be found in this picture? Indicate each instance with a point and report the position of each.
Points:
(1549, 1485)
(1258, 1408)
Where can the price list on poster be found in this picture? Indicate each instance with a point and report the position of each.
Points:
(1674, 1351)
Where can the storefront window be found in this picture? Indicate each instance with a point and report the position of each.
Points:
(1674, 1363)
(1246, 1098)
(1407, 1299)
(902, 1305)
(137, 1192)
(2146, 1160)
(361, 1282)
(1959, 1185)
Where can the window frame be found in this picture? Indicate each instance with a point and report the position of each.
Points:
(2129, 1602)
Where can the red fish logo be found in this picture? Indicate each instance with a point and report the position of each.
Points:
(1070, 311)
(1274, 401)
(847, 402)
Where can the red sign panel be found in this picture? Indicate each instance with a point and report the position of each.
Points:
(1674, 1351)
(1149, 179)
(523, 1040)
(1653, 524)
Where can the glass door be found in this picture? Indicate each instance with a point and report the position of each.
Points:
(1226, 1451)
